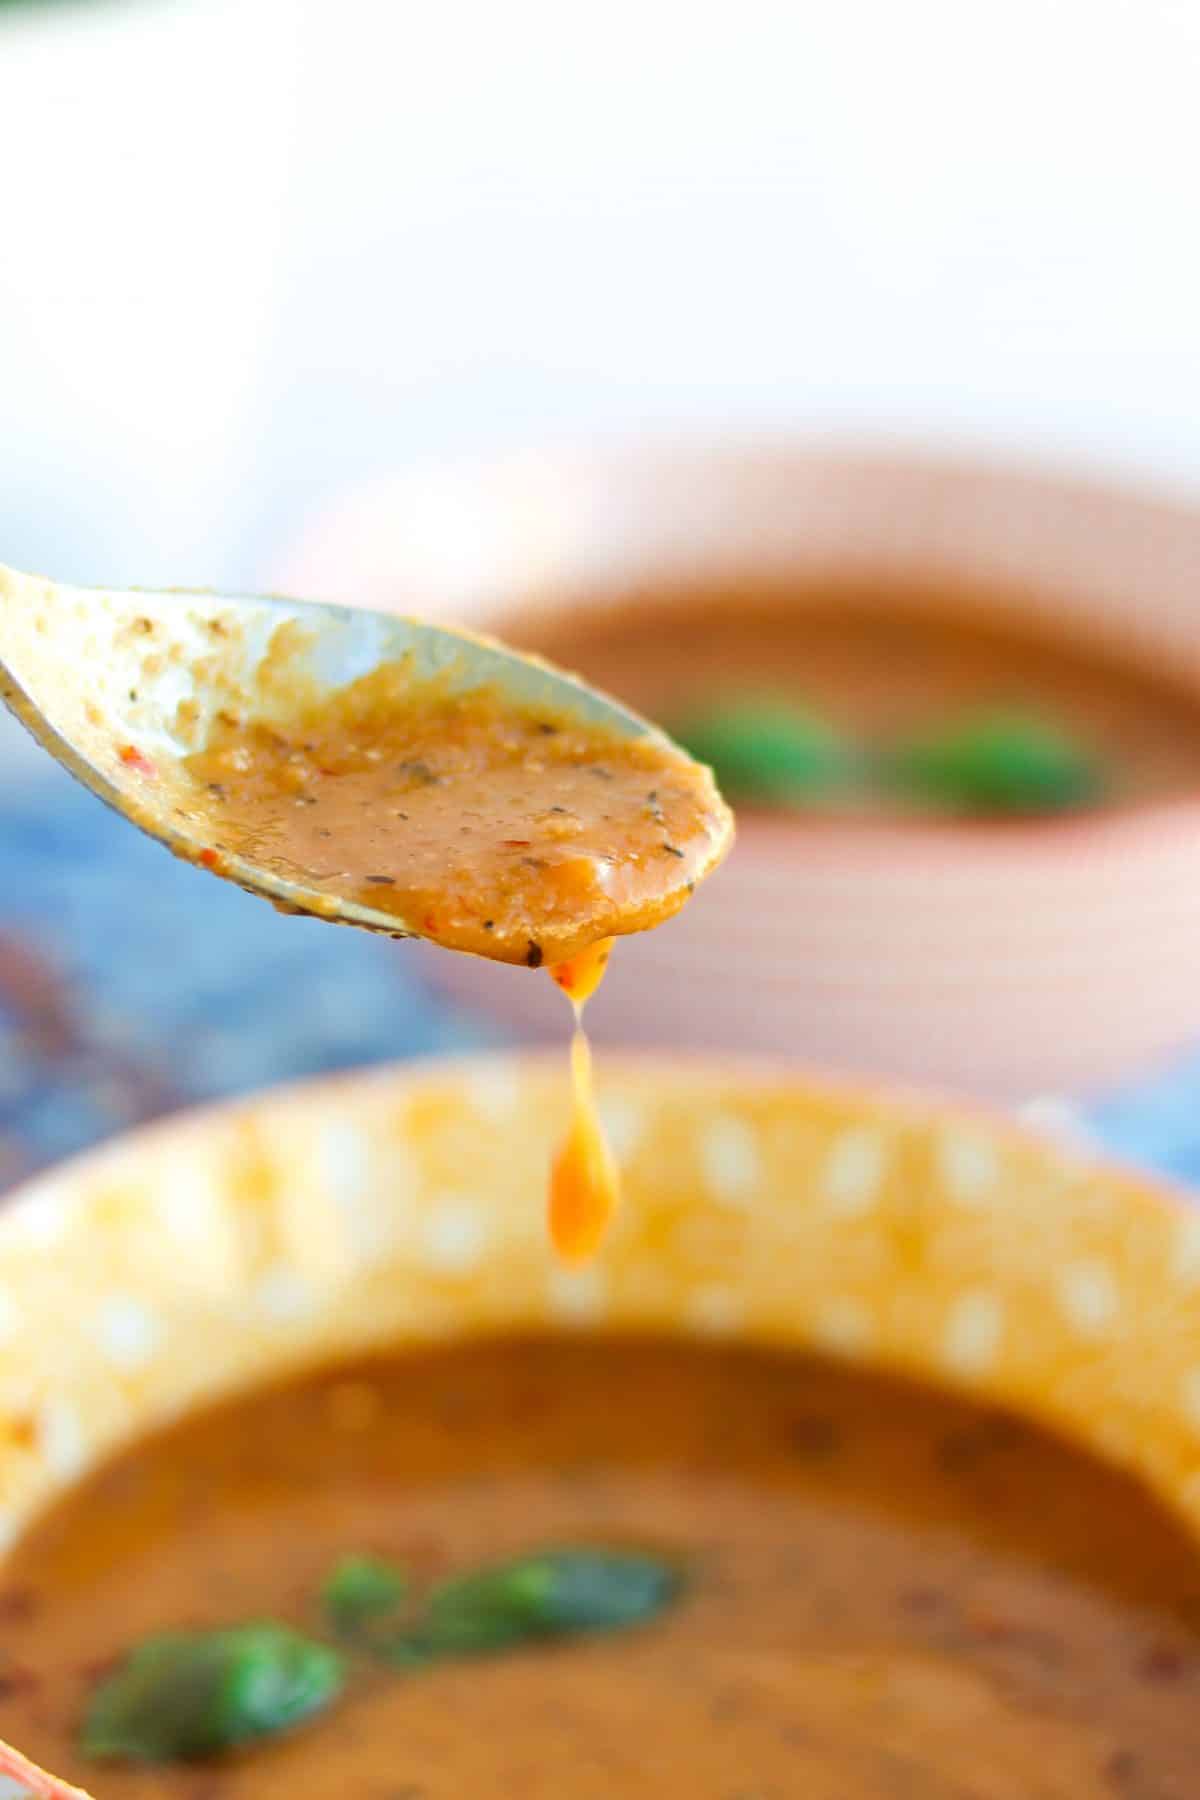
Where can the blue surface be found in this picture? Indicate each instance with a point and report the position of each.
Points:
(131, 984)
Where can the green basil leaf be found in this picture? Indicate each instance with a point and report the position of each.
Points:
(998, 762)
(189, 1694)
(555, 1593)
(362, 1594)
(767, 751)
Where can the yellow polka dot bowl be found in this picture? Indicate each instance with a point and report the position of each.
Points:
(229, 1246)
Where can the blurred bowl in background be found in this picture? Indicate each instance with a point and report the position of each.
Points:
(1004, 958)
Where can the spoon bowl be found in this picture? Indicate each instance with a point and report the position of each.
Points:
(122, 686)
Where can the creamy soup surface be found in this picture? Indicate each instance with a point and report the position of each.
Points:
(879, 664)
(518, 835)
(888, 1592)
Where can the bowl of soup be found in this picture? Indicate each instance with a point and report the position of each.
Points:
(957, 706)
(864, 1461)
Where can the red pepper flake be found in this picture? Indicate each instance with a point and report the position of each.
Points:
(516, 843)
(133, 758)
(209, 859)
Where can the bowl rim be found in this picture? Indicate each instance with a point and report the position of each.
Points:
(1055, 1280)
(779, 1073)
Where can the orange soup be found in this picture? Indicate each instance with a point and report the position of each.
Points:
(517, 835)
(514, 834)
(865, 1590)
(884, 699)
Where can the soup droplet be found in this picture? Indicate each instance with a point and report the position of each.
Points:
(584, 1186)
(580, 977)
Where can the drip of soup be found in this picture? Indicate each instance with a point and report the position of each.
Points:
(516, 834)
(583, 1178)
(885, 1592)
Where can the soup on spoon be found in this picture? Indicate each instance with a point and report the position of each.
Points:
(381, 772)
(521, 835)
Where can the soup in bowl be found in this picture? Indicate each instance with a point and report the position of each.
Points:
(865, 1460)
(956, 703)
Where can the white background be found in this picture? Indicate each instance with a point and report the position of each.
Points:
(253, 250)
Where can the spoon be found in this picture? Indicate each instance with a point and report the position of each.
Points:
(121, 686)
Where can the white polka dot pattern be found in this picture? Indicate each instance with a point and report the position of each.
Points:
(128, 1332)
(284, 1297)
(1089, 1296)
(968, 1167)
(716, 1309)
(493, 1090)
(60, 1436)
(1186, 1256)
(853, 1172)
(454, 1235)
(579, 1295)
(842, 1325)
(972, 1335)
(623, 1124)
(225, 1248)
(730, 1159)
(1190, 1396)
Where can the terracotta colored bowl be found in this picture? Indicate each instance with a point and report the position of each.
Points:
(221, 1249)
(1007, 960)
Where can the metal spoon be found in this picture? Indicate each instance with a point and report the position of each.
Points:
(111, 680)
